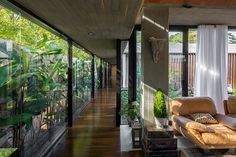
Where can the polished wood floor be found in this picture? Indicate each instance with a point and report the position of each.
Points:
(94, 133)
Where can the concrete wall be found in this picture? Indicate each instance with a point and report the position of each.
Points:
(154, 75)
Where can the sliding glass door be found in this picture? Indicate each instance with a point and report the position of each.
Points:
(182, 60)
(192, 49)
(178, 63)
(176, 59)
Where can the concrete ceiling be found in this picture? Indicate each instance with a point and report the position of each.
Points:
(196, 12)
(195, 3)
(107, 20)
(198, 16)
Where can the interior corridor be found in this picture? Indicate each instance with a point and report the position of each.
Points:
(94, 132)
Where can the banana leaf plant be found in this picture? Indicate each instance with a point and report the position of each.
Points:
(29, 76)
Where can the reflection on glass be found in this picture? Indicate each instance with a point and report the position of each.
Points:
(81, 79)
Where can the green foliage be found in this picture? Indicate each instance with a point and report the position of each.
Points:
(173, 92)
(159, 105)
(35, 68)
(232, 38)
(192, 37)
(138, 95)
(14, 120)
(33, 74)
(234, 91)
(6, 152)
(82, 80)
(178, 37)
(124, 97)
(131, 111)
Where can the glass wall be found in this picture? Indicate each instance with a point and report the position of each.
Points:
(82, 79)
(138, 65)
(124, 76)
(176, 59)
(33, 84)
(192, 49)
(97, 72)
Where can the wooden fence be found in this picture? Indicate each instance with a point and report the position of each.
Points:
(175, 64)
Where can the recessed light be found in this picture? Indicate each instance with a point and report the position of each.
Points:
(91, 34)
(187, 6)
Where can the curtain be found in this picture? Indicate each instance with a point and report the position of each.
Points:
(125, 63)
(211, 64)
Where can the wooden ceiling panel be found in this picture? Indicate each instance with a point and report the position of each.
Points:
(107, 19)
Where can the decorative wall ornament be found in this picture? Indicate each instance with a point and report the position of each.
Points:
(157, 47)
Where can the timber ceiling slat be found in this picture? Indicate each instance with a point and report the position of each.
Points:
(107, 19)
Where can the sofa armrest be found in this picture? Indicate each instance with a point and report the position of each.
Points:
(226, 121)
(187, 123)
(226, 107)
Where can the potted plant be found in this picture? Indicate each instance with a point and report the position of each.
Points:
(131, 112)
(159, 109)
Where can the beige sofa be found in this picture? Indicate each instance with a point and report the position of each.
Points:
(230, 106)
(206, 136)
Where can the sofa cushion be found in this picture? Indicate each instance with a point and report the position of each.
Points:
(204, 118)
(222, 136)
(188, 124)
(188, 105)
(231, 104)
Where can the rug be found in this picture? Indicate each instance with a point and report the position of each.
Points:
(195, 152)
(189, 149)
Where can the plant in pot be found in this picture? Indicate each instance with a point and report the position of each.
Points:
(159, 109)
(131, 112)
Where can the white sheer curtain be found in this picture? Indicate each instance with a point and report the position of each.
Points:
(125, 63)
(211, 64)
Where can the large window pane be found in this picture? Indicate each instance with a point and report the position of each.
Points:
(176, 59)
(192, 49)
(82, 82)
(138, 67)
(124, 76)
(33, 84)
(232, 62)
(97, 72)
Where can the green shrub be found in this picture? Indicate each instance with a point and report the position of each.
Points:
(131, 111)
(159, 105)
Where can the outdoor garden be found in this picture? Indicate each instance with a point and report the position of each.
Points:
(33, 83)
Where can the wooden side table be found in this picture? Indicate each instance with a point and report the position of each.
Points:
(136, 135)
(159, 142)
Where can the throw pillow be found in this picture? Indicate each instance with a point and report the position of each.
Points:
(204, 118)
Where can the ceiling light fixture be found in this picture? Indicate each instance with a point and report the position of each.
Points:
(187, 6)
(91, 34)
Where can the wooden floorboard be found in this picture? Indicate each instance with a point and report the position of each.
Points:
(94, 133)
